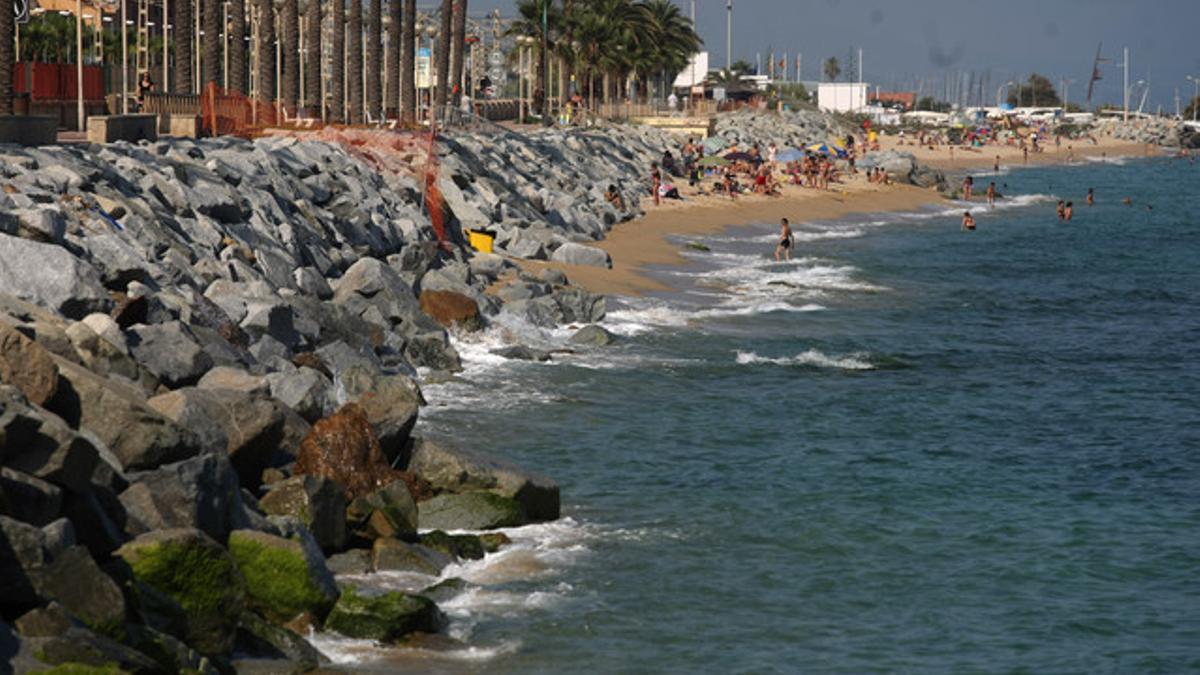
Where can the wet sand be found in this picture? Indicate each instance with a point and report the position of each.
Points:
(644, 241)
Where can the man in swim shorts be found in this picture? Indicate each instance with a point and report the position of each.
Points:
(786, 240)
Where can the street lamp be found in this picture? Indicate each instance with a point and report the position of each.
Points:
(1001, 88)
(1196, 96)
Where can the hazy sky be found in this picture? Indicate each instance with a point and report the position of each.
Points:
(914, 40)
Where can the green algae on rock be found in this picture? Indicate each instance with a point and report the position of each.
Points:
(470, 511)
(386, 618)
(192, 569)
(282, 579)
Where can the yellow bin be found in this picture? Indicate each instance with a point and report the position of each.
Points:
(481, 240)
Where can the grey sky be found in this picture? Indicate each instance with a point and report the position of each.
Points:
(923, 40)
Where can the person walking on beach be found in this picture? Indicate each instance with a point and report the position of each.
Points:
(968, 222)
(1091, 199)
(996, 165)
(786, 240)
(655, 181)
(991, 195)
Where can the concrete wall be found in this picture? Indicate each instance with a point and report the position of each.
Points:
(28, 129)
(842, 96)
(133, 128)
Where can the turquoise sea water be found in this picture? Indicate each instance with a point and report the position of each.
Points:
(912, 450)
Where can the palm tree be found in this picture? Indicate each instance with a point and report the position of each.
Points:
(374, 59)
(443, 55)
(183, 46)
(290, 52)
(669, 42)
(312, 58)
(265, 46)
(458, 38)
(605, 31)
(7, 59)
(408, 80)
(211, 41)
(395, 17)
(832, 68)
(237, 47)
(337, 65)
(354, 63)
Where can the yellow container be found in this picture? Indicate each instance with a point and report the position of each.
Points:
(481, 241)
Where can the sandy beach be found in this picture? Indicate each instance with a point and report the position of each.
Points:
(963, 158)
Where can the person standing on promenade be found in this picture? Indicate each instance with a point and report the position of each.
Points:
(786, 240)
(655, 181)
(968, 222)
(991, 195)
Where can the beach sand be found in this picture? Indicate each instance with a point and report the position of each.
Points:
(644, 241)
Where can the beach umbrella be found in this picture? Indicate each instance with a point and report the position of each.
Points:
(714, 143)
(820, 149)
(789, 155)
(713, 160)
(740, 157)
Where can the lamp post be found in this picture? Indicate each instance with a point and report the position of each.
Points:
(78, 63)
(1001, 88)
(124, 63)
(1196, 96)
(728, 35)
(1066, 85)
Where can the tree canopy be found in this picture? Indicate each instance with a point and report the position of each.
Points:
(1038, 90)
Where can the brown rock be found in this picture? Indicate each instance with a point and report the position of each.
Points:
(311, 360)
(451, 309)
(25, 364)
(343, 448)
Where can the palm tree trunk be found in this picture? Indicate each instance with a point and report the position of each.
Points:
(7, 58)
(265, 82)
(337, 64)
(606, 87)
(237, 46)
(354, 64)
(458, 37)
(312, 59)
(395, 17)
(212, 42)
(441, 94)
(408, 79)
(374, 59)
(183, 46)
(290, 54)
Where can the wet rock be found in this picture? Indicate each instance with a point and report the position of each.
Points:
(354, 561)
(450, 469)
(592, 336)
(75, 581)
(393, 555)
(386, 618)
(389, 512)
(343, 448)
(390, 402)
(462, 546)
(318, 503)
(187, 566)
(304, 390)
(283, 578)
(79, 650)
(273, 649)
(470, 511)
(522, 353)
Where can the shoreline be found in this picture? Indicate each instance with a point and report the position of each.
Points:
(645, 241)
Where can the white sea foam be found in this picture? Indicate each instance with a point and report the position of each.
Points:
(644, 317)
(811, 357)
(1119, 161)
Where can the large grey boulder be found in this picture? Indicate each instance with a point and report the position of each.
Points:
(450, 469)
(304, 390)
(49, 276)
(170, 351)
(393, 555)
(138, 436)
(377, 293)
(391, 403)
(201, 493)
(317, 503)
(387, 513)
(246, 427)
(579, 254)
(469, 511)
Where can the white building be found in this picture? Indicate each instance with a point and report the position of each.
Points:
(842, 96)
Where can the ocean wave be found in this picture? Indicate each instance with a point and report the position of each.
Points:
(812, 358)
(636, 320)
(342, 650)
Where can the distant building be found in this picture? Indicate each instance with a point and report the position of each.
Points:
(907, 99)
(842, 96)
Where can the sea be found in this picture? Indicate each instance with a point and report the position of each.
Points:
(911, 449)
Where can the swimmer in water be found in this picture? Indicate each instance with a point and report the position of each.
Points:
(1091, 198)
(968, 222)
(786, 240)
(1061, 211)
(991, 195)
(1068, 211)
(1127, 201)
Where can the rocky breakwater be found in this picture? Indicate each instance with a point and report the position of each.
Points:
(786, 129)
(208, 402)
(1160, 131)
